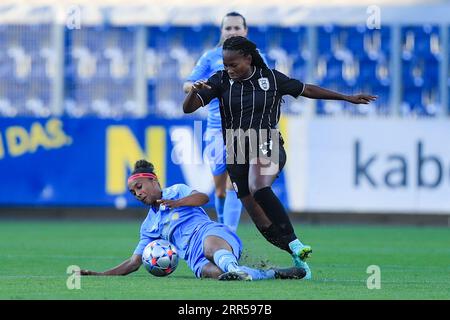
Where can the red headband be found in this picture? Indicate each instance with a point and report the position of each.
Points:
(141, 175)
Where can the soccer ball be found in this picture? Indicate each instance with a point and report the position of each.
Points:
(160, 258)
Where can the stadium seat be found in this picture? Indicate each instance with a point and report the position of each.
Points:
(355, 40)
(420, 69)
(258, 35)
(334, 70)
(423, 41)
(6, 108)
(25, 65)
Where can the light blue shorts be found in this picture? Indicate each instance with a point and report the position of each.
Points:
(214, 152)
(196, 259)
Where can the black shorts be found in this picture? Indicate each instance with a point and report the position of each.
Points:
(273, 163)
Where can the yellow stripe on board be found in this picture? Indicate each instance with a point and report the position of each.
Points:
(123, 150)
(283, 125)
(2, 150)
(156, 152)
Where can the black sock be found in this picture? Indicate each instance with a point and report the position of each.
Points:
(276, 213)
(276, 236)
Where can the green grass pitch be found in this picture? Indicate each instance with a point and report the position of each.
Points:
(414, 264)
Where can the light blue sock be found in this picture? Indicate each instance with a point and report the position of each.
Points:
(232, 210)
(258, 274)
(225, 260)
(219, 204)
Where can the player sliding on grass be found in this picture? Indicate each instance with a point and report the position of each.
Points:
(210, 249)
(250, 96)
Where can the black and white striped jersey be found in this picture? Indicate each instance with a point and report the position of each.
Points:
(253, 102)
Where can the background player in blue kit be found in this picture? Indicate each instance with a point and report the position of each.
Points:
(227, 204)
(210, 249)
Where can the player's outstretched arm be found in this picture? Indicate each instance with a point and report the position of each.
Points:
(315, 92)
(126, 267)
(192, 102)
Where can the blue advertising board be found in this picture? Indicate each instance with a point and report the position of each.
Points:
(85, 162)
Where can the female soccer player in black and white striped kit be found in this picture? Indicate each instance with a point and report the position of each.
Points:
(250, 96)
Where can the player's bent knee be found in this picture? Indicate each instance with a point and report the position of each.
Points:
(255, 187)
(212, 244)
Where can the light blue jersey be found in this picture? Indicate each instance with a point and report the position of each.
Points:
(208, 64)
(176, 225)
(185, 227)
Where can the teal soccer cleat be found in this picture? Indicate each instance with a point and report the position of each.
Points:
(299, 260)
(302, 264)
(305, 252)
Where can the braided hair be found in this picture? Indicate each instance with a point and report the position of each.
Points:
(245, 47)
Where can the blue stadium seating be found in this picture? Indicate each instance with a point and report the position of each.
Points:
(100, 70)
(420, 69)
(25, 62)
(350, 56)
(176, 49)
(285, 49)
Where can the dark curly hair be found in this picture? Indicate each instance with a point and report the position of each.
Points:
(143, 166)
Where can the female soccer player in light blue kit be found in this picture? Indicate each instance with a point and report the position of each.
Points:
(228, 206)
(210, 249)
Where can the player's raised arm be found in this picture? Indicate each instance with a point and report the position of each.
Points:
(126, 267)
(315, 92)
(193, 101)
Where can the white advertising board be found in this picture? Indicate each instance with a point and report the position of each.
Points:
(368, 165)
